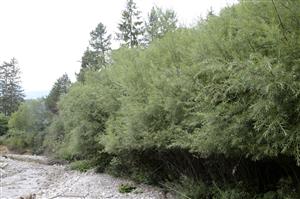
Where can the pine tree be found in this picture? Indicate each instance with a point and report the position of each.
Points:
(11, 91)
(59, 88)
(4, 75)
(101, 44)
(100, 41)
(131, 27)
(89, 61)
(97, 56)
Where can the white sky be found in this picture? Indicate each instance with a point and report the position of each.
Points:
(48, 37)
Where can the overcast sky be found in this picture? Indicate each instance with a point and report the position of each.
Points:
(48, 37)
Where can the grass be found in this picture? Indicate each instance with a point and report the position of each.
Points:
(126, 188)
(82, 165)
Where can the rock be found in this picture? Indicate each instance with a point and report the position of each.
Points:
(30, 196)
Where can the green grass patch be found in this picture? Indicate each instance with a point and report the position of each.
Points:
(82, 165)
(126, 188)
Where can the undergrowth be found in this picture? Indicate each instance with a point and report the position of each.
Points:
(126, 188)
(82, 165)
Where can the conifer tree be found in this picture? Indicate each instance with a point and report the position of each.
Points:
(100, 40)
(11, 92)
(59, 88)
(101, 45)
(131, 27)
(96, 55)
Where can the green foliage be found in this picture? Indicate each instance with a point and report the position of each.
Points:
(98, 57)
(100, 41)
(11, 92)
(82, 165)
(159, 23)
(59, 89)
(229, 87)
(54, 136)
(101, 161)
(119, 167)
(285, 190)
(19, 141)
(131, 27)
(187, 188)
(84, 112)
(126, 188)
(150, 109)
(116, 167)
(3, 124)
(230, 193)
(199, 89)
(89, 61)
(32, 116)
(27, 126)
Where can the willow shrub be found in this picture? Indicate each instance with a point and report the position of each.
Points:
(84, 112)
(228, 86)
(230, 89)
(27, 125)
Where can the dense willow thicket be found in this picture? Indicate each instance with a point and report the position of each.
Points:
(214, 107)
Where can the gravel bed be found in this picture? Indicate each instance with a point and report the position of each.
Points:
(28, 177)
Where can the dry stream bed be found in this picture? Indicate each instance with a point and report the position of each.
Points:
(31, 177)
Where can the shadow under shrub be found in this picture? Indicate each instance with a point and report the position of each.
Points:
(135, 166)
(3, 124)
(215, 176)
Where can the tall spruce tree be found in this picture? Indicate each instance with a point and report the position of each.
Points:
(101, 44)
(59, 88)
(11, 92)
(131, 27)
(100, 40)
(96, 55)
(159, 23)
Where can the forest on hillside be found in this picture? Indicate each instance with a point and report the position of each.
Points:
(209, 111)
